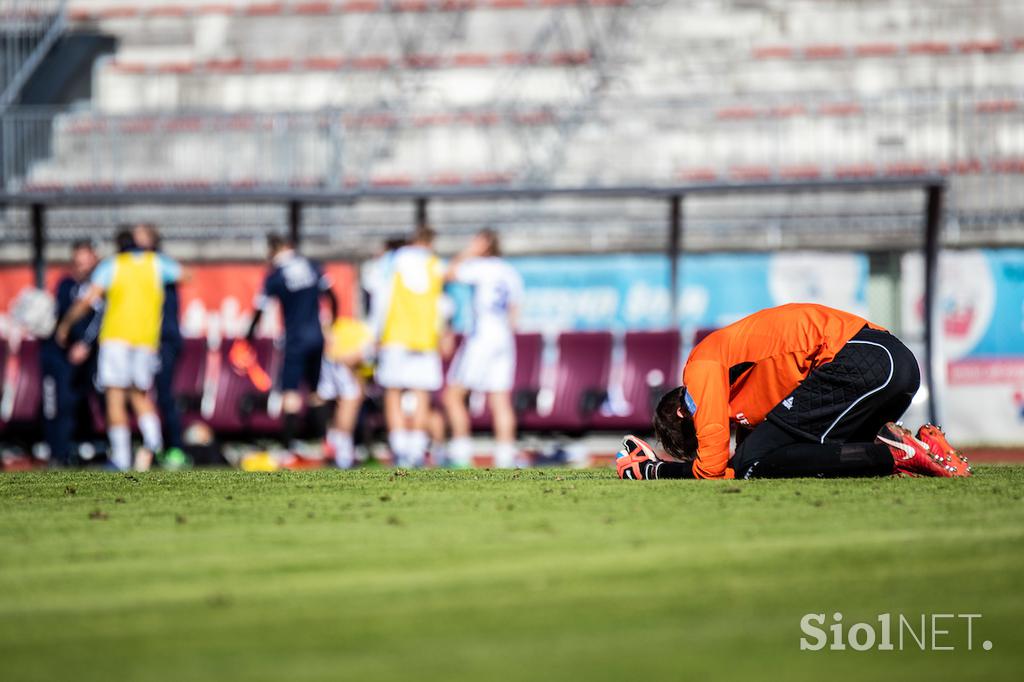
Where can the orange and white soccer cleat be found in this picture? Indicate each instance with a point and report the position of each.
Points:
(940, 447)
(910, 455)
(636, 460)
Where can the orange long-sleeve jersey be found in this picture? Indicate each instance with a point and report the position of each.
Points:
(740, 372)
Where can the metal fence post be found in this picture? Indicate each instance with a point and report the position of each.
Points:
(934, 358)
(295, 222)
(39, 244)
(422, 212)
(675, 240)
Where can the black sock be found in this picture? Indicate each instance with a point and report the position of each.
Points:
(288, 430)
(316, 420)
(829, 460)
(875, 459)
(669, 470)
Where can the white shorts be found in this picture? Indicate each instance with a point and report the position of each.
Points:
(337, 382)
(484, 364)
(120, 365)
(401, 368)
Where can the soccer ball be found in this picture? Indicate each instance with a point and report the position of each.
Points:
(36, 312)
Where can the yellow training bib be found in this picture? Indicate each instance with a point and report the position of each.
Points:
(135, 299)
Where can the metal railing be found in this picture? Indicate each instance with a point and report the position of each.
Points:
(28, 28)
(961, 134)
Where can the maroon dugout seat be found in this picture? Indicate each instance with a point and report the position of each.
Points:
(703, 333)
(650, 367)
(580, 384)
(529, 353)
(97, 411)
(23, 386)
(189, 375)
(3, 375)
(238, 406)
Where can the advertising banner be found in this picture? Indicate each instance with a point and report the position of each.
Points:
(215, 298)
(631, 291)
(981, 301)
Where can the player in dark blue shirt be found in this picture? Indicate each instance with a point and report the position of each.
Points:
(297, 283)
(68, 371)
(147, 238)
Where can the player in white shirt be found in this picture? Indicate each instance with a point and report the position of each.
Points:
(486, 362)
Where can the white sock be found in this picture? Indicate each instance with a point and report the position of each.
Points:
(152, 437)
(398, 441)
(438, 452)
(460, 451)
(505, 455)
(344, 448)
(120, 447)
(418, 443)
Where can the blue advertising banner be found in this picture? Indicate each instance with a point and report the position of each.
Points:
(631, 291)
(981, 298)
(1004, 335)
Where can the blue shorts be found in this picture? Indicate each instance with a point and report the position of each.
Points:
(301, 365)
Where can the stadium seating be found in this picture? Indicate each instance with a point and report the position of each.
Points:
(576, 386)
(90, 11)
(333, 94)
(3, 380)
(650, 366)
(237, 406)
(189, 379)
(701, 334)
(98, 413)
(23, 386)
(565, 395)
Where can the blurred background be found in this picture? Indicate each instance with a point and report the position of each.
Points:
(723, 156)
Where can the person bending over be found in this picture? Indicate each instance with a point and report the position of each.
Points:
(813, 391)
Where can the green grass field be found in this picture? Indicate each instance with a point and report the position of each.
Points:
(477, 575)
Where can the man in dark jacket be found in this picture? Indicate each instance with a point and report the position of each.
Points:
(68, 372)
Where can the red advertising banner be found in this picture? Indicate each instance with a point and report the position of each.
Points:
(215, 297)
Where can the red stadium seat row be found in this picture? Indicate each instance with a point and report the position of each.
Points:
(745, 113)
(832, 51)
(172, 123)
(183, 123)
(762, 172)
(482, 179)
(9, 15)
(363, 63)
(573, 389)
(840, 109)
(320, 8)
(740, 173)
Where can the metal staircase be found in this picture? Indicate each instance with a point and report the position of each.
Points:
(28, 29)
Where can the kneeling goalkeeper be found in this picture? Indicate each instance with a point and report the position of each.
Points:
(814, 392)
